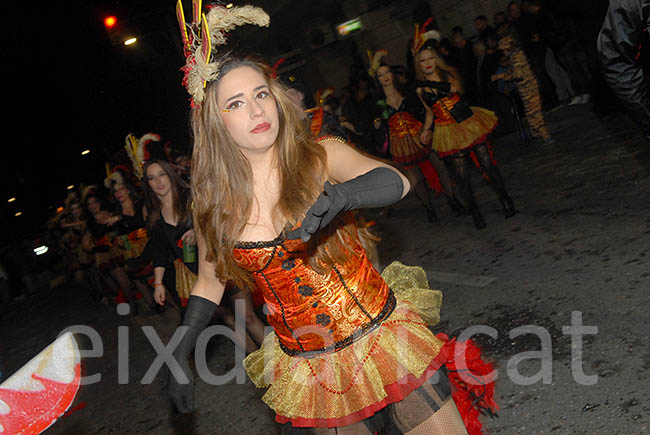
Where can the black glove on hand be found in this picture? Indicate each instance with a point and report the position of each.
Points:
(377, 188)
(198, 315)
(444, 87)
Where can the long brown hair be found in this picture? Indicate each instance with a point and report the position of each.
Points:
(180, 192)
(222, 180)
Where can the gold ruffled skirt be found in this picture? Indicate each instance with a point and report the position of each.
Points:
(450, 138)
(185, 280)
(381, 368)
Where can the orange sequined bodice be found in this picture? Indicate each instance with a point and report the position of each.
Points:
(403, 124)
(313, 313)
(441, 109)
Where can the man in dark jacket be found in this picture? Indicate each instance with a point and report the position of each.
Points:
(618, 46)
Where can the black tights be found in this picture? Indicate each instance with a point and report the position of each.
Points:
(460, 165)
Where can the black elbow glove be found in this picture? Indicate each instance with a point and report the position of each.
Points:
(443, 87)
(377, 188)
(181, 385)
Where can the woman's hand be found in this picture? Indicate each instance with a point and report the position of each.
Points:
(188, 237)
(159, 293)
(496, 77)
(112, 220)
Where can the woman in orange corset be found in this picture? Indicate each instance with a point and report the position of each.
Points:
(404, 133)
(460, 132)
(272, 212)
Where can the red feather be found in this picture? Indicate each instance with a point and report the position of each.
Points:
(274, 70)
(423, 29)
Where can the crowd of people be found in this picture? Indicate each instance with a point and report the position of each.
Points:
(254, 207)
(131, 240)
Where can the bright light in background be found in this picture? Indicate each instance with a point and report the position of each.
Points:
(70, 187)
(84, 152)
(18, 213)
(229, 5)
(12, 199)
(130, 41)
(59, 210)
(109, 22)
(40, 250)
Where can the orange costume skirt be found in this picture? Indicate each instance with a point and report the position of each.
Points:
(382, 367)
(450, 137)
(405, 148)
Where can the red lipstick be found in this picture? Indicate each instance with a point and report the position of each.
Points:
(261, 128)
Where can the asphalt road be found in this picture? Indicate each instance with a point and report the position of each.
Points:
(580, 244)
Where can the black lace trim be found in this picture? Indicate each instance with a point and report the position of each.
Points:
(359, 333)
(262, 244)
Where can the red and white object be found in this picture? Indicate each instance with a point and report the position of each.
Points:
(36, 395)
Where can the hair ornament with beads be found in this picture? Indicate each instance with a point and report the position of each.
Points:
(206, 31)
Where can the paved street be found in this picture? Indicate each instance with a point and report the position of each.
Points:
(581, 243)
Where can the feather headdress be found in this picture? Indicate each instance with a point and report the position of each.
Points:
(421, 36)
(136, 149)
(113, 178)
(374, 60)
(205, 32)
(322, 95)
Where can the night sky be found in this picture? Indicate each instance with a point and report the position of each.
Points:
(68, 88)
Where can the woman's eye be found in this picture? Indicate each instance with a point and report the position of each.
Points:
(234, 105)
(263, 94)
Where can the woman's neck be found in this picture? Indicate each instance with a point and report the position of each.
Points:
(432, 76)
(167, 209)
(390, 91)
(127, 207)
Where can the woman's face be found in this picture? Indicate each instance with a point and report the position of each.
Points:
(427, 61)
(120, 192)
(384, 76)
(93, 205)
(248, 109)
(158, 180)
(75, 210)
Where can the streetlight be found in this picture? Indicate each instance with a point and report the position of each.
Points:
(12, 199)
(18, 213)
(84, 152)
(70, 187)
(130, 41)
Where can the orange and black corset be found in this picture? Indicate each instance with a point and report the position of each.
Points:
(312, 313)
(442, 109)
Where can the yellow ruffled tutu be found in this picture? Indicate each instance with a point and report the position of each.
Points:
(449, 138)
(382, 367)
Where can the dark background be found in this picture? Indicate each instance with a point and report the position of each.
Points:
(70, 87)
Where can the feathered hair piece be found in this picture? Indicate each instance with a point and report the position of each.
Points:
(276, 66)
(113, 179)
(88, 191)
(322, 95)
(374, 61)
(421, 35)
(136, 149)
(205, 32)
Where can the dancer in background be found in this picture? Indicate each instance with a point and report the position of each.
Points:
(459, 130)
(349, 348)
(169, 221)
(404, 133)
